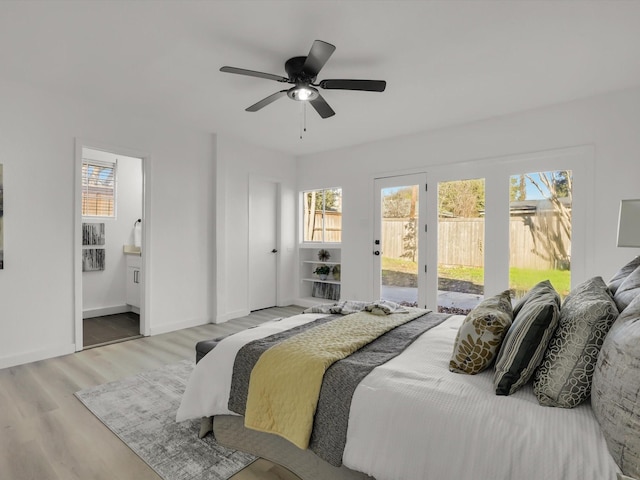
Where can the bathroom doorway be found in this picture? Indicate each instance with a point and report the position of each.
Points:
(110, 238)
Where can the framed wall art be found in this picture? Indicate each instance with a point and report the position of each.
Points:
(93, 234)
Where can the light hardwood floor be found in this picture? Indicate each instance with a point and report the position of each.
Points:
(47, 434)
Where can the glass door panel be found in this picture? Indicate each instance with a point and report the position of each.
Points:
(540, 231)
(399, 243)
(460, 245)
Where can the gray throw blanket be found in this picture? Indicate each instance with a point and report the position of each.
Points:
(329, 434)
(331, 420)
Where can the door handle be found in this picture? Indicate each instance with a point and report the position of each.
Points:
(275, 250)
(377, 252)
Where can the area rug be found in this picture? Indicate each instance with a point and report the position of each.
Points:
(141, 411)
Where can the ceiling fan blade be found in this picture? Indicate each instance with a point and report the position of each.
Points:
(266, 101)
(365, 85)
(318, 56)
(322, 107)
(253, 73)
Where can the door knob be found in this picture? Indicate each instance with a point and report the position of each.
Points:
(275, 250)
(377, 252)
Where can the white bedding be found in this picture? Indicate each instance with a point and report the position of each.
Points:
(412, 419)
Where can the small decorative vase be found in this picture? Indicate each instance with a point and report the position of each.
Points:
(322, 277)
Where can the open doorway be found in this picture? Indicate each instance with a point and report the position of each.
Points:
(109, 254)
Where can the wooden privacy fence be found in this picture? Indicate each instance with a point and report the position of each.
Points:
(461, 241)
(332, 227)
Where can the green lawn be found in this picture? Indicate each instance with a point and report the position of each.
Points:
(520, 279)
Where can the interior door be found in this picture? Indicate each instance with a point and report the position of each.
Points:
(263, 244)
(399, 245)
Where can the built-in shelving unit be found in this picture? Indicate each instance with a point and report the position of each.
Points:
(314, 289)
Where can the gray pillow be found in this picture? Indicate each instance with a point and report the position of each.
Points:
(481, 334)
(628, 290)
(622, 274)
(564, 376)
(615, 393)
(527, 338)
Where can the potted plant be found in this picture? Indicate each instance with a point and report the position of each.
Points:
(323, 255)
(335, 271)
(322, 271)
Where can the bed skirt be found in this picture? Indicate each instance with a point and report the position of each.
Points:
(229, 431)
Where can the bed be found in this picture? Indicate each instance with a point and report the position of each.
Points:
(411, 417)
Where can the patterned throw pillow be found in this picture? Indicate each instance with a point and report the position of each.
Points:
(628, 290)
(527, 338)
(622, 274)
(615, 393)
(321, 308)
(564, 376)
(481, 334)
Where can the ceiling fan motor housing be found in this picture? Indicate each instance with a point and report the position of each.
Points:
(295, 70)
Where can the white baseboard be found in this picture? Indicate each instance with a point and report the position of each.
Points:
(36, 355)
(172, 327)
(286, 302)
(231, 315)
(99, 312)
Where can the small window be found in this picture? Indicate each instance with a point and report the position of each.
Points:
(322, 215)
(98, 188)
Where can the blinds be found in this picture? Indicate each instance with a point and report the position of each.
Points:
(98, 188)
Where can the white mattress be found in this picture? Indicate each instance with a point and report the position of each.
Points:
(412, 419)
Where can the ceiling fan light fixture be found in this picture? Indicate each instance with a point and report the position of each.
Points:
(303, 93)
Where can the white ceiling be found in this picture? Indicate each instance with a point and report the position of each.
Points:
(445, 62)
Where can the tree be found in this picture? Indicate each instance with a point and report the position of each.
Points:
(398, 204)
(518, 188)
(461, 198)
(410, 240)
(551, 229)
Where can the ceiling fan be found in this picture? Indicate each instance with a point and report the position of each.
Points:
(302, 73)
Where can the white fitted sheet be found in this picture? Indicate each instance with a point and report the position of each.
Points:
(414, 419)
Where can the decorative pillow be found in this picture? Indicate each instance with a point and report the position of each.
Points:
(564, 376)
(481, 334)
(623, 273)
(527, 338)
(628, 290)
(385, 307)
(350, 306)
(321, 308)
(615, 393)
(541, 288)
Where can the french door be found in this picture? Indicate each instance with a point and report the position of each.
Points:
(399, 244)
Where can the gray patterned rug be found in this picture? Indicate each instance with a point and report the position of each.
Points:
(141, 411)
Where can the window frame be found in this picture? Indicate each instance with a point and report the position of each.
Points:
(497, 171)
(84, 185)
(303, 208)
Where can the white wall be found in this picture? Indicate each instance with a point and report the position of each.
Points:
(37, 150)
(104, 291)
(237, 162)
(606, 124)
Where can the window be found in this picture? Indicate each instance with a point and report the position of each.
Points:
(322, 215)
(98, 188)
(540, 230)
(461, 206)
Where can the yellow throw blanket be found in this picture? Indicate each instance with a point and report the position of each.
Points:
(285, 382)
